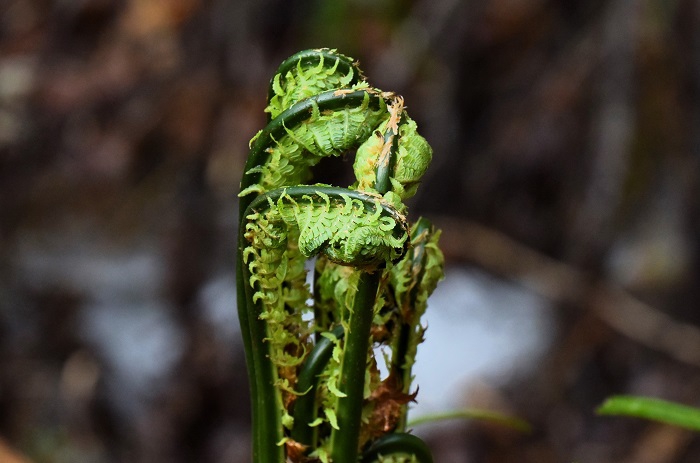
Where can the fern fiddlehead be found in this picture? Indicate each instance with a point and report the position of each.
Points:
(316, 392)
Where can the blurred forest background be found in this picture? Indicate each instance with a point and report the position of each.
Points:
(567, 152)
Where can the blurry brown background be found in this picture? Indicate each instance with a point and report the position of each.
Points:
(567, 144)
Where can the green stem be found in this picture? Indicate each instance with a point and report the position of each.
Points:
(242, 278)
(398, 443)
(406, 338)
(266, 423)
(305, 406)
(385, 167)
(335, 193)
(322, 318)
(344, 440)
(242, 307)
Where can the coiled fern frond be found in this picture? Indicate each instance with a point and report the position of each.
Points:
(317, 393)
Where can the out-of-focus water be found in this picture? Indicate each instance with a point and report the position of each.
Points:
(123, 316)
(479, 327)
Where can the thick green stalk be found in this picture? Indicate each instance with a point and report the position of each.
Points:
(344, 440)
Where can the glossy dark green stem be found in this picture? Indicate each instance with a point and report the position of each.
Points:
(344, 441)
(334, 193)
(398, 443)
(420, 234)
(385, 167)
(242, 307)
(322, 318)
(306, 406)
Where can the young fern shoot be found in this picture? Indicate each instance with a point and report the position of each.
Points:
(317, 394)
